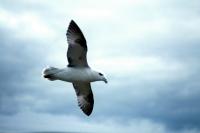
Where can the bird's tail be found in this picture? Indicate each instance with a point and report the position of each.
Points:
(50, 72)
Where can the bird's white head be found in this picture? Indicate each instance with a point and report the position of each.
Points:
(100, 77)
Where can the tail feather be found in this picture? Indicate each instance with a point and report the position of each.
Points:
(50, 72)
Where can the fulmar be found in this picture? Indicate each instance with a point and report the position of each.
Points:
(77, 71)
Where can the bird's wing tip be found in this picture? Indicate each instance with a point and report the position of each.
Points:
(72, 21)
(88, 113)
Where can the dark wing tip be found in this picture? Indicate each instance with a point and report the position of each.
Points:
(87, 111)
(74, 30)
(73, 27)
(72, 22)
(88, 107)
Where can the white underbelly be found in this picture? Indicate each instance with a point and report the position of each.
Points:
(74, 75)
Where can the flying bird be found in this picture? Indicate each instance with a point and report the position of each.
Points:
(77, 71)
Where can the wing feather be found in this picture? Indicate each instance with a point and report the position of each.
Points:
(77, 48)
(84, 97)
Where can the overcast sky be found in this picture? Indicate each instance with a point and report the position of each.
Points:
(148, 49)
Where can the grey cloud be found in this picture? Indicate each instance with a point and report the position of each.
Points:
(22, 87)
(170, 102)
(173, 103)
(173, 48)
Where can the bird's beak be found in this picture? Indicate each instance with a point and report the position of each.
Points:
(105, 80)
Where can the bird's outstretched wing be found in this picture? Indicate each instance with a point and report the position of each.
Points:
(84, 96)
(77, 48)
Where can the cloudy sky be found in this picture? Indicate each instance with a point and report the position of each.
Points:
(148, 49)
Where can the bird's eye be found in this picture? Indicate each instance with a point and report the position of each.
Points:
(100, 74)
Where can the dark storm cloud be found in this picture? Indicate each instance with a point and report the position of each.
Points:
(14, 70)
(21, 83)
(173, 102)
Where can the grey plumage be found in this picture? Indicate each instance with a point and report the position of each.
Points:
(77, 48)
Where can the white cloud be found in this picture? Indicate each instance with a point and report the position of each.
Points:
(93, 13)
(152, 68)
(26, 25)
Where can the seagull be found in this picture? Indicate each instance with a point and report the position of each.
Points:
(77, 71)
